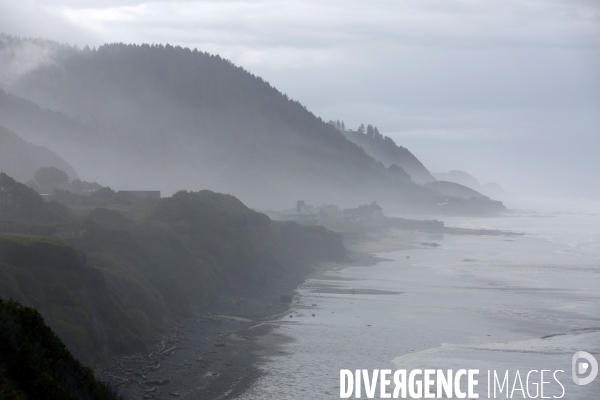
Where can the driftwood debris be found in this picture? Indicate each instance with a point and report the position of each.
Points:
(132, 370)
(169, 350)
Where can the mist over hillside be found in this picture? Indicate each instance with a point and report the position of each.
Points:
(116, 278)
(21, 159)
(492, 190)
(389, 153)
(277, 199)
(169, 118)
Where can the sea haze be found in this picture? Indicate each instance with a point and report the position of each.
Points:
(240, 199)
(476, 302)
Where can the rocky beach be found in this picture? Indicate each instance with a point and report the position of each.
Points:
(218, 354)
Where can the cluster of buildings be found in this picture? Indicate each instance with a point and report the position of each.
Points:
(308, 213)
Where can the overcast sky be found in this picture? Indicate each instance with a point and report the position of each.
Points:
(508, 90)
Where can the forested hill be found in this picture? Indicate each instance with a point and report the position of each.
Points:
(163, 117)
(384, 149)
(178, 118)
(22, 159)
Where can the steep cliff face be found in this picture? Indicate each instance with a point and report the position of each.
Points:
(75, 297)
(114, 280)
(246, 245)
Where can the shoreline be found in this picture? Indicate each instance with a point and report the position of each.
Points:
(216, 354)
(207, 355)
(476, 302)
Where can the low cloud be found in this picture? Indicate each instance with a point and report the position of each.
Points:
(17, 59)
(30, 18)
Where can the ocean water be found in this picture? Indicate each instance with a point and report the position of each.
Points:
(520, 303)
